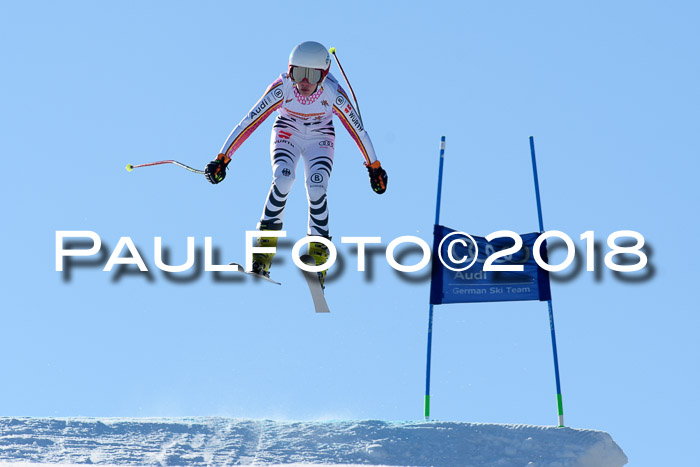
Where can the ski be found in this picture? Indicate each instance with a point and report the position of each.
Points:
(315, 286)
(257, 276)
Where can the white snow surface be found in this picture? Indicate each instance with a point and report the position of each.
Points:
(227, 441)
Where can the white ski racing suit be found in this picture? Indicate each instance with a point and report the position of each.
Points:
(303, 128)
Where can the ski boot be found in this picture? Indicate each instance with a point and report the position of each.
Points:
(262, 261)
(320, 253)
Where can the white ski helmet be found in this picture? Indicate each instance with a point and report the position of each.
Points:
(311, 55)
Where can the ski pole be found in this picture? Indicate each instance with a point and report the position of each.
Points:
(332, 50)
(130, 167)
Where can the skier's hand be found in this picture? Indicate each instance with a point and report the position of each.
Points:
(377, 177)
(216, 169)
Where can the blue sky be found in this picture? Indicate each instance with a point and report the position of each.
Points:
(609, 91)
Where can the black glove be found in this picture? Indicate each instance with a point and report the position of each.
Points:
(377, 177)
(216, 169)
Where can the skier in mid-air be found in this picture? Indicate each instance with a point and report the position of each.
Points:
(305, 98)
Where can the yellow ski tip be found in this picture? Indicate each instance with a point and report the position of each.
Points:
(332, 50)
(129, 167)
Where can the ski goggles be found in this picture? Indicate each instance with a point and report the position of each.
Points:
(313, 75)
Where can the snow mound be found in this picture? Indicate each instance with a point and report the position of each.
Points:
(222, 441)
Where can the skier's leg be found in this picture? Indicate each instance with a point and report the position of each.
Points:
(284, 154)
(320, 253)
(262, 261)
(318, 164)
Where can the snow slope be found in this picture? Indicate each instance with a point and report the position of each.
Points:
(200, 441)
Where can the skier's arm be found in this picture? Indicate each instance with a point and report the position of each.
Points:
(268, 103)
(351, 121)
(347, 114)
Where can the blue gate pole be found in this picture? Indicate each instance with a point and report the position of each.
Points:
(560, 405)
(430, 312)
